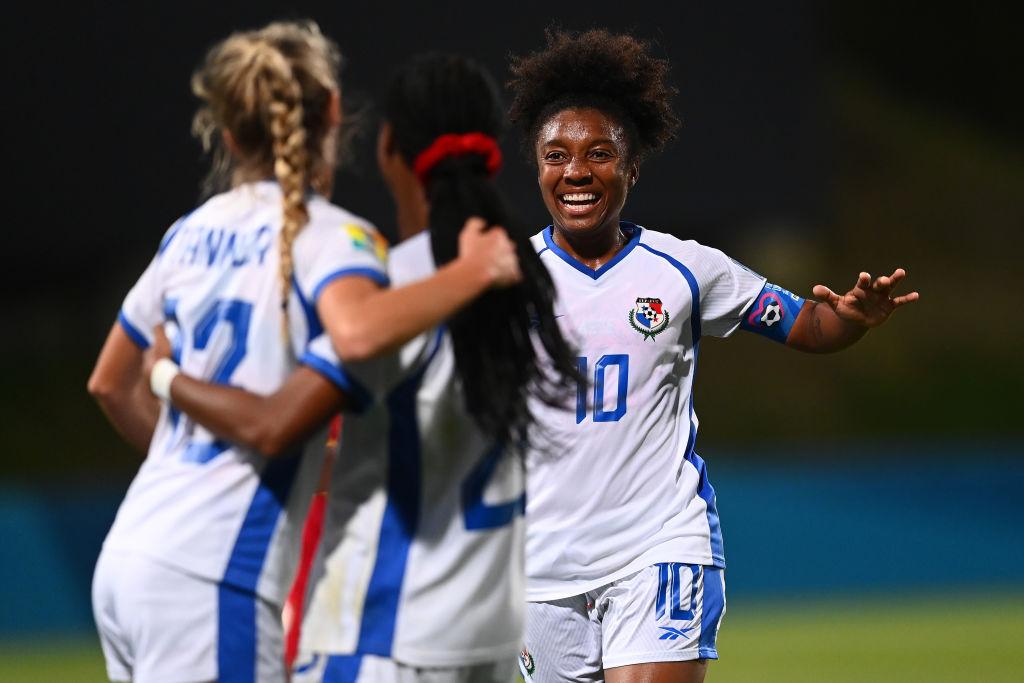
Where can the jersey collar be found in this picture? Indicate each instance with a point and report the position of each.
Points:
(628, 228)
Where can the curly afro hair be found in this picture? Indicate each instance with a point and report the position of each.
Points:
(608, 71)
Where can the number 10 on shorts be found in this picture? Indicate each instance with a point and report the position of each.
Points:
(620, 363)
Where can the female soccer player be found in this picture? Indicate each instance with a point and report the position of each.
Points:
(421, 574)
(189, 584)
(624, 550)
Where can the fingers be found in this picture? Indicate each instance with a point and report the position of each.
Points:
(863, 281)
(474, 224)
(905, 299)
(826, 295)
(506, 258)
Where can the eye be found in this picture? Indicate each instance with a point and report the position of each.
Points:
(601, 155)
(554, 156)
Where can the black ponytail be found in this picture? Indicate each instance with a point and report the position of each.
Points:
(495, 353)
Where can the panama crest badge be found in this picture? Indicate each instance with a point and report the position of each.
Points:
(648, 317)
(526, 664)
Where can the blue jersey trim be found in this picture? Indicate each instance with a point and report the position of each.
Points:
(401, 516)
(249, 553)
(342, 669)
(376, 275)
(694, 295)
(313, 325)
(133, 332)
(236, 635)
(478, 515)
(359, 395)
(704, 488)
(542, 251)
(629, 228)
(711, 613)
(707, 493)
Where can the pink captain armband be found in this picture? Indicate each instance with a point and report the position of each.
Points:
(773, 313)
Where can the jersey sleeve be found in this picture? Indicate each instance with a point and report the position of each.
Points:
(328, 250)
(142, 309)
(320, 357)
(727, 289)
(366, 382)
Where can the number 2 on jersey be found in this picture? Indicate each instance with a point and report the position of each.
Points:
(617, 360)
(236, 314)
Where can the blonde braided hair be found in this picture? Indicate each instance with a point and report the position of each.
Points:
(270, 90)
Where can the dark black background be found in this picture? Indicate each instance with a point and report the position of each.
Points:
(99, 160)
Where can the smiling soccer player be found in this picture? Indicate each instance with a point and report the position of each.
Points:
(624, 549)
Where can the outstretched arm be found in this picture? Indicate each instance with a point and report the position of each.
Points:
(268, 424)
(122, 389)
(365, 321)
(836, 321)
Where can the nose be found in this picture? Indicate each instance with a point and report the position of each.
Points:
(577, 172)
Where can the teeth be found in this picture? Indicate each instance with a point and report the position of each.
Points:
(579, 197)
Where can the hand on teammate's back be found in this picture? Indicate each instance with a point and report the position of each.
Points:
(492, 250)
(160, 348)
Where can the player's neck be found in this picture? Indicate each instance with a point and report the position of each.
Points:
(592, 249)
(411, 211)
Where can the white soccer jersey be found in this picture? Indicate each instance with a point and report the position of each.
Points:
(421, 557)
(615, 485)
(206, 506)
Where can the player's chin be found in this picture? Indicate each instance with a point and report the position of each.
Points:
(575, 225)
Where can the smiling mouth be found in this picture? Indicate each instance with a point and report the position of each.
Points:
(578, 202)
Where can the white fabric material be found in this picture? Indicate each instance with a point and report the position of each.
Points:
(209, 508)
(401, 574)
(623, 623)
(617, 487)
(371, 669)
(160, 378)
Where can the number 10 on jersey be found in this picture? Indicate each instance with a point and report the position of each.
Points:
(620, 362)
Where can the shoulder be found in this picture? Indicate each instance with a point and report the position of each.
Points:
(327, 217)
(665, 245)
(331, 224)
(411, 259)
(539, 240)
(703, 263)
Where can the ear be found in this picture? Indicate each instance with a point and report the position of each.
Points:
(229, 142)
(385, 141)
(634, 173)
(334, 109)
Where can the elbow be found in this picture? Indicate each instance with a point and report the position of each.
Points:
(354, 346)
(265, 438)
(102, 389)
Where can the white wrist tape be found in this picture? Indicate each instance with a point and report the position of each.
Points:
(164, 372)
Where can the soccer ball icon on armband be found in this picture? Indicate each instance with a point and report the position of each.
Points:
(772, 314)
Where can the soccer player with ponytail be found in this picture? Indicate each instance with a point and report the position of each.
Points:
(192, 575)
(421, 568)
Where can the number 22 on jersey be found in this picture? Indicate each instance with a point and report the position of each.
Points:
(235, 314)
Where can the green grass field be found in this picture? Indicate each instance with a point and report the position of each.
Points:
(952, 638)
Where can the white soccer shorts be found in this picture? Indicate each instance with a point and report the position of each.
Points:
(372, 669)
(161, 625)
(667, 612)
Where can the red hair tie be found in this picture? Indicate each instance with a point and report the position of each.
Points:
(456, 144)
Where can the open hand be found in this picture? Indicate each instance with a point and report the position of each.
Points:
(870, 302)
(491, 250)
(160, 348)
